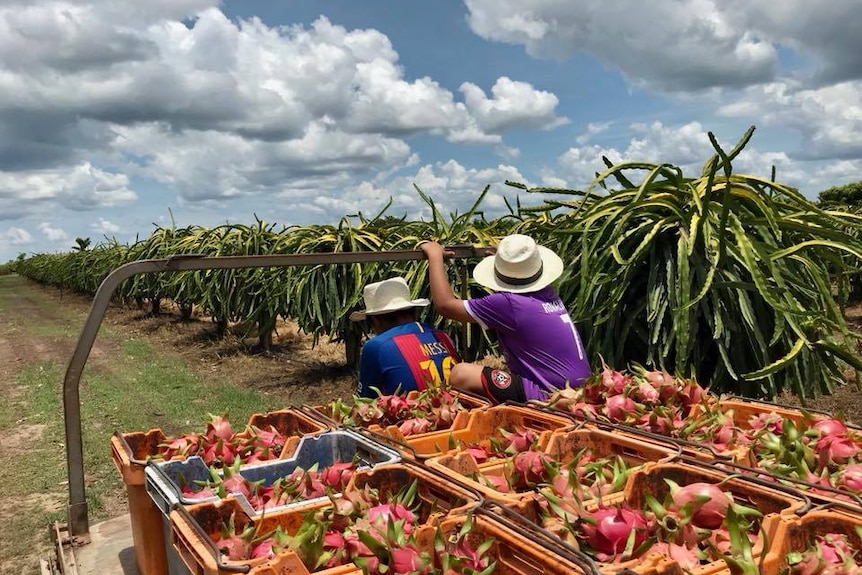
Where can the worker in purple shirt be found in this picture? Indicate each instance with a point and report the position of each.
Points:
(541, 345)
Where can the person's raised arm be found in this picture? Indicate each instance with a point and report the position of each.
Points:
(447, 304)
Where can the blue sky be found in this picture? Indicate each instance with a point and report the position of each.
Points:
(115, 115)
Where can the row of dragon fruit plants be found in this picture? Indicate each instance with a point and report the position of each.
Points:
(568, 481)
(662, 268)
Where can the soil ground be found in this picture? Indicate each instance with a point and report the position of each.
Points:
(292, 373)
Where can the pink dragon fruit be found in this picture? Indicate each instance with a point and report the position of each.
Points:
(835, 449)
(614, 382)
(607, 531)
(851, 477)
(518, 441)
(829, 426)
(708, 502)
(219, 427)
(414, 426)
(408, 561)
(337, 475)
(619, 407)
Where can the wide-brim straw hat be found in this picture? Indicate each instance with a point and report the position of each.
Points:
(385, 297)
(520, 265)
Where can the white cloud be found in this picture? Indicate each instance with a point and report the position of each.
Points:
(593, 129)
(688, 147)
(453, 187)
(512, 105)
(827, 31)
(683, 45)
(53, 234)
(80, 187)
(829, 118)
(15, 236)
(216, 109)
(105, 227)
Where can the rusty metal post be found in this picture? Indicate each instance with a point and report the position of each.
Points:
(465, 327)
(78, 513)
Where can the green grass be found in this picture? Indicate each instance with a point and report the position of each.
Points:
(139, 390)
(39, 466)
(134, 388)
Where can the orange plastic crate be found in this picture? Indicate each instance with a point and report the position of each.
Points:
(513, 551)
(797, 534)
(437, 493)
(291, 564)
(649, 564)
(744, 410)
(194, 528)
(738, 454)
(130, 452)
(562, 447)
(468, 401)
(776, 506)
(478, 426)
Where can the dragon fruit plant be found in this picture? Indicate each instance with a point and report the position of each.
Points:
(696, 524)
(300, 485)
(432, 409)
(219, 445)
(829, 554)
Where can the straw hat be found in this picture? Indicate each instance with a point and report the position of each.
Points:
(520, 265)
(387, 296)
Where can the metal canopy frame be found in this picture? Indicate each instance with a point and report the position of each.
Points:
(78, 520)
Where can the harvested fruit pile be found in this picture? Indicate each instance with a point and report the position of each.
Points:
(817, 449)
(635, 470)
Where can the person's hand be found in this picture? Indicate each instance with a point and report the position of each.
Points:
(431, 249)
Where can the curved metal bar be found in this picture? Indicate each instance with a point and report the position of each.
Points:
(540, 536)
(319, 417)
(78, 514)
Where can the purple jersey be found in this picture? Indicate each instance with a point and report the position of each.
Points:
(537, 337)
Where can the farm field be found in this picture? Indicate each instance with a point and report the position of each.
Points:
(143, 372)
(146, 372)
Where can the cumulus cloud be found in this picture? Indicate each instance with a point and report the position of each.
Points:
(80, 187)
(684, 45)
(829, 118)
(218, 108)
(454, 188)
(15, 236)
(687, 146)
(512, 105)
(53, 234)
(105, 227)
(593, 129)
(826, 31)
